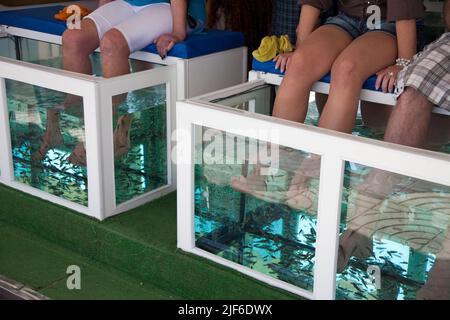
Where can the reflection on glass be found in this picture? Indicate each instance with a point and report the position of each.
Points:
(50, 54)
(258, 100)
(140, 142)
(395, 241)
(256, 214)
(47, 132)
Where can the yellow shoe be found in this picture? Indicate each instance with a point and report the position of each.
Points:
(267, 50)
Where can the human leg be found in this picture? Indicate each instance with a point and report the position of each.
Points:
(408, 125)
(353, 66)
(410, 120)
(311, 61)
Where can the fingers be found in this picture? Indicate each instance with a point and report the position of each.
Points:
(164, 45)
(380, 77)
(387, 79)
(282, 62)
(278, 61)
(385, 83)
(391, 84)
(161, 50)
(170, 46)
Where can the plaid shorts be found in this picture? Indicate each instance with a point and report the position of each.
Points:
(429, 73)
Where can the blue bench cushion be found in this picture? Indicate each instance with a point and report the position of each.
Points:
(41, 19)
(269, 67)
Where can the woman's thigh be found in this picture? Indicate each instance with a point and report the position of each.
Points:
(318, 52)
(146, 25)
(367, 55)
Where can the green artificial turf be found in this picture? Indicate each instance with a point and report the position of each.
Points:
(140, 244)
(42, 265)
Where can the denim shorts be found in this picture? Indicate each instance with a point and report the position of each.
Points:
(356, 27)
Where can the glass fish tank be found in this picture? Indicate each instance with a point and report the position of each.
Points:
(394, 238)
(49, 137)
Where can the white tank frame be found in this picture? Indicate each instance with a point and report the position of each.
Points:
(97, 96)
(334, 148)
(183, 78)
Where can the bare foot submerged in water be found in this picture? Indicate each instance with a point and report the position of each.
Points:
(121, 140)
(363, 205)
(353, 244)
(52, 137)
(298, 195)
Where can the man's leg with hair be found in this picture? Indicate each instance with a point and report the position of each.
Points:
(410, 120)
(408, 125)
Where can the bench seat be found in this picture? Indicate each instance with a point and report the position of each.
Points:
(41, 20)
(368, 93)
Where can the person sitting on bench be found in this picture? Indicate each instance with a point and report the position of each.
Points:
(423, 85)
(353, 49)
(121, 27)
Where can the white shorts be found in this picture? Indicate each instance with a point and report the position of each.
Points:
(140, 25)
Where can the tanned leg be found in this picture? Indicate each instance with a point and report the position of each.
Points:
(78, 44)
(355, 64)
(410, 120)
(408, 125)
(310, 62)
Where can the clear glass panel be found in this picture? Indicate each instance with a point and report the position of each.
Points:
(7, 47)
(256, 204)
(258, 100)
(375, 120)
(395, 241)
(140, 142)
(47, 136)
(50, 55)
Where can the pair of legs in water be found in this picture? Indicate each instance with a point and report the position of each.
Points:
(408, 125)
(78, 45)
(119, 29)
(412, 124)
(352, 62)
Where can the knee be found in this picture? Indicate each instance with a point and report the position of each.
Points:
(413, 101)
(346, 72)
(301, 64)
(407, 97)
(74, 40)
(114, 43)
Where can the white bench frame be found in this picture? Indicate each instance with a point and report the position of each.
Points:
(195, 76)
(323, 87)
